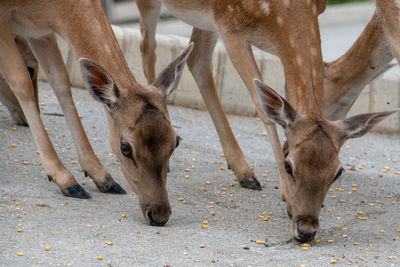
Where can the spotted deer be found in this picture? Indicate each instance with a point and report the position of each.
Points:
(290, 30)
(141, 135)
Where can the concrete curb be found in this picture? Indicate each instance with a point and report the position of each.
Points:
(382, 94)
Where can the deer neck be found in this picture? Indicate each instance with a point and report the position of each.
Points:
(300, 53)
(94, 39)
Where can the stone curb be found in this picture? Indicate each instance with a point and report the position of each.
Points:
(382, 94)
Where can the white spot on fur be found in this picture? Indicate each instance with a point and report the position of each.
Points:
(279, 20)
(286, 3)
(230, 8)
(314, 9)
(265, 8)
(299, 60)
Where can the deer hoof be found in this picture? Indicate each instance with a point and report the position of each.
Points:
(76, 191)
(250, 183)
(111, 187)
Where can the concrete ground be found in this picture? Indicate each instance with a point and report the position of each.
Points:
(76, 231)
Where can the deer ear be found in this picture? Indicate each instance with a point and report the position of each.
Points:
(99, 83)
(168, 79)
(359, 125)
(276, 107)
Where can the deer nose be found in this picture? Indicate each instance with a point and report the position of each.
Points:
(155, 221)
(305, 235)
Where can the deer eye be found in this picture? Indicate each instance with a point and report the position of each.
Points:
(338, 173)
(288, 168)
(178, 138)
(126, 150)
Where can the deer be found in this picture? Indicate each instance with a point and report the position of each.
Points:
(290, 30)
(140, 131)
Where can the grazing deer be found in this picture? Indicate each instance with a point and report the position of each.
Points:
(290, 30)
(141, 135)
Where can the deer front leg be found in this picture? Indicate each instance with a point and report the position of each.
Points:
(241, 55)
(51, 61)
(16, 74)
(199, 63)
(149, 13)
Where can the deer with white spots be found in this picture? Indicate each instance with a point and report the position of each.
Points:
(289, 29)
(141, 134)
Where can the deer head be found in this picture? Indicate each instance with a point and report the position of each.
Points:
(312, 161)
(141, 135)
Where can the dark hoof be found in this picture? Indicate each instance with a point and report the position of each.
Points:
(250, 183)
(76, 191)
(112, 188)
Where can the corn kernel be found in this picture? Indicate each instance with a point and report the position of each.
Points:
(20, 254)
(363, 164)
(264, 196)
(14, 129)
(342, 201)
(266, 219)
(354, 185)
(47, 248)
(203, 226)
(26, 163)
(13, 145)
(222, 168)
(344, 228)
(333, 261)
(231, 185)
(317, 241)
(333, 197)
(354, 189)
(17, 203)
(205, 222)
(381, 231)
(19, 230)
(186, 176)
(202, 246)
(362, 218)
(110, 243)
(231, 200)
(305, 248)
(181, 199)
(388, 196)
(394, 203)
(378, 201)
(329, 210)
(260, 242)
(100, 257)
(187, 170)
(398, 230)
(355, 243)
(360, 212)
(330, 241)
(138, 232)
(202, 188)
(268, 180)
(371, 204)
(208, 182)
(271, 213)
(73, 162)
(67, 146)
(263, 133)
(304, 245)
(123, 215)
(265, 175)
(392, 257)
(222, 155)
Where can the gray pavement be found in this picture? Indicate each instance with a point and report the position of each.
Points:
(76, 231)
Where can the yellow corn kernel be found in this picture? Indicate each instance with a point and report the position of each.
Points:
(14, 129)
(355, 243)
(73, 162)
(100, 257)
(363, 164)
(371, 204)
(360, 212)
(381, 231)
(344, 228)
(20, 254)
(260, 242)
(203, 226)
(304, 245)
(47, 248)
(398, 230)
(231, 200)
(268, 180)
(186, 176)
(138, 232)
(353, 185)
(264, 196)
(378, 201)
(266, 219)
(330, 241)
(123, 215)
(222, 155)
(181, 199)
(19, 230)
(208, 182)
(205, 222)
(305, 248)
(329, 210)
(187, 170)
(394, 203)
(222, 168)
(110, 243)
(317, 241)
(26, 163)
(333, 261)
(271, 213)
(342, 201)
(202, 188)
(263, 133)
(354, 189)
(13, 145)
(362, 218)
(265, 175)
(333, 197)
(17, 203)
(392, 257)
(202, 246)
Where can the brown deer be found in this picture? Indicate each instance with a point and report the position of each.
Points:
(290, 30)
(141, 134)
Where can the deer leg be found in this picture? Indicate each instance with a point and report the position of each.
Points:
(149, 13)
(16, 74)
(241, 55)
(50, 59)
(199, 63)
(7, 97)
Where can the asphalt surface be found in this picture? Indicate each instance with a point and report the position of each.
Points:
(76, 231)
